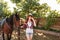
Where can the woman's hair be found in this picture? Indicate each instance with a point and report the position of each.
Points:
(28, 18)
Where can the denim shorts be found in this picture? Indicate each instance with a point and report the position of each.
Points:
(29, 31)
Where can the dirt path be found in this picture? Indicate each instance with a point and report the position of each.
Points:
(37, 36)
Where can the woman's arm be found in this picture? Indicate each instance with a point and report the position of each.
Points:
(34, 22)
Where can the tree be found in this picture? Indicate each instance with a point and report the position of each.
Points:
(15, 1)
(32, 6)
(58, 1)
(1, 9)
(51, 19)
(4, 12)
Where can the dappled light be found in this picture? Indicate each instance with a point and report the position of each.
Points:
(40, 34)
(46, 14)
(10, 5)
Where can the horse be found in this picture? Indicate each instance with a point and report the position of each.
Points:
(8, 25)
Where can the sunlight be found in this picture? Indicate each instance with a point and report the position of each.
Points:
(10, 5)
(52, 3)
(40, 34)
(47, 14)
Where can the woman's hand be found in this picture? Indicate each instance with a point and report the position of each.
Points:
(34, 21)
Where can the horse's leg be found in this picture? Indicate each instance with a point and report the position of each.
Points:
(3, 36)
(9, 36)
(18, 33)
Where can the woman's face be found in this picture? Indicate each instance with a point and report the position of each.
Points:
(30, 17)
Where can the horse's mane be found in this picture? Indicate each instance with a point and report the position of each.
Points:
(17, 16)
(10, 20)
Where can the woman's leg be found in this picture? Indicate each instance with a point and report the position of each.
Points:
(31, 36)
(27, 36)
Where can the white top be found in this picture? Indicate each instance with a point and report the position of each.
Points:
(29, 30)
(29, 23)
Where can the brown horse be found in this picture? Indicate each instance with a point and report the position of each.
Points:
(8, 25)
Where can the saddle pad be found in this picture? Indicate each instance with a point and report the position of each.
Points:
(2, 21)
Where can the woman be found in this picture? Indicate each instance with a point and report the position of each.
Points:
(30, 22)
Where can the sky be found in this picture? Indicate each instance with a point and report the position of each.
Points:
(52, 3)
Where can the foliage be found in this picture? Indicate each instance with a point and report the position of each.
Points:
(31, 6)
(15, 1)
(58, 1)
(1, 11)
(51, 19)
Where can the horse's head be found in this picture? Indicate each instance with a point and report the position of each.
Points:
(16, 20)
